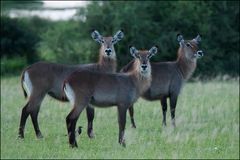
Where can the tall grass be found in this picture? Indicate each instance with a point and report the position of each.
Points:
(207, 119)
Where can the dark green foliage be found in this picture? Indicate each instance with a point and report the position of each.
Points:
(12, 65)
(65, 42)
(154, 22)
(145, 23)
(18, 39)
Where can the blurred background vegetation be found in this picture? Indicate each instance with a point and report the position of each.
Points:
(25, 40)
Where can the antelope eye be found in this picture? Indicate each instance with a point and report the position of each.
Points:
(189, 45)
(138, 56)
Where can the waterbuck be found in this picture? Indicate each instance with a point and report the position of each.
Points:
(44, 78)
(105, 90)
(169, 77)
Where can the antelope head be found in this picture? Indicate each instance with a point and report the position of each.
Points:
(143, 57)
(107, 43)
(190, 47)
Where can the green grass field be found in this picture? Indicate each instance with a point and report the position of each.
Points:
(207, 119)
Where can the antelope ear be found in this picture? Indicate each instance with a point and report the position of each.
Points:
(96, 36)
(133, 51)
(153, 51)
(180, 39)
(198, 38)
(118, 36)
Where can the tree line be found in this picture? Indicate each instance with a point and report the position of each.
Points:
(146, 23)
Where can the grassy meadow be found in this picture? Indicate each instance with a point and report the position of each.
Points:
(207, 119)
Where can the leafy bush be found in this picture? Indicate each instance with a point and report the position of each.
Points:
(12, 65)
(18, 39)
(64, 43)
(144, 25)
(154, 22)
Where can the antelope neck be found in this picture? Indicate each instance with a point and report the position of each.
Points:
(141, 82)
(108, 64)
(184, 65)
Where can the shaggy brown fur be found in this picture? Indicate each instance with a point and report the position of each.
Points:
(47, 78)
(104, 90)
(169, 77)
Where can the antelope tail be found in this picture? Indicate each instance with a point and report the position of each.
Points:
(22, 78)
(63, 97)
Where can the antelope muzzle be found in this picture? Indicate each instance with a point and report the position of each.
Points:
(199, 54)
(108, 51)
(144, 67)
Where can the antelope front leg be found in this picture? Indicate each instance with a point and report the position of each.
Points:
(90, 117)
(122, 122)
(164, 110)
(173, 103)
(131, 113)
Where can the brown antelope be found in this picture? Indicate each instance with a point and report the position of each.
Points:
(44, 78)
(169, 77)
(105, 89)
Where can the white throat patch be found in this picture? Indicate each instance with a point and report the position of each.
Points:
(147, 72)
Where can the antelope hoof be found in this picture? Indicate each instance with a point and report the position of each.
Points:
(133, 123)
(123, 144)
(74, 145)
(173, 124)
(134, 126)
(39, 136)
(164, 124)
(20, 136)
(91, 135)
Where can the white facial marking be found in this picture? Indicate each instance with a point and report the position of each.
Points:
(199, 54)
(133, 52)
(147, 71)
(69, 93)
(97, 37)
(180, 40)
(197, 39)
(190, 45)
(27, 84)
(117, 37)
(112, 53)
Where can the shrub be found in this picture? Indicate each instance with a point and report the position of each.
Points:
(13, 65)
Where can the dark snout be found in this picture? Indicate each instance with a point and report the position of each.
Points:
(144, 66)
(200, 53)
(108, 51)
